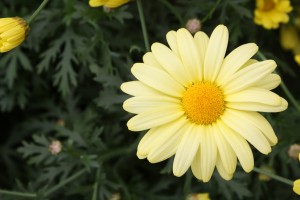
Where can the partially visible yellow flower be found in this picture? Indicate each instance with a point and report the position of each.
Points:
(296, 187)
(297, 58)
(198, 196)
(269, 13)
(288, 37)
(13, 31)
(107, 3)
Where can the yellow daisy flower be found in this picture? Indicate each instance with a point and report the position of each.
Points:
(198, 196)
(269, 13)
(296, 187)
(107, 3)
(13, 32)
(201, 106)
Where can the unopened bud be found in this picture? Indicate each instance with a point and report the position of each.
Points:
(55, 147)
(294, 151)
(60, 122)
(193, 25)
(115, 196)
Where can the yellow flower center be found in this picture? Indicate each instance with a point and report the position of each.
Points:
(203, 103)
(268, 5)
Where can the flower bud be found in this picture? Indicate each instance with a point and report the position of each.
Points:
(55, 147)
(193, 25)
(13, 32)
(198, 196)
(294, 150)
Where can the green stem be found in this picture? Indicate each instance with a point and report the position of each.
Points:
(64, 182)
(274, 176)
(143, 24)
(20, 194)
(95, 192)
(211, 11)
(37, 11)
(283, 87)
(173, 10)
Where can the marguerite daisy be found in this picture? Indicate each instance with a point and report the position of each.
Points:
(200, 106)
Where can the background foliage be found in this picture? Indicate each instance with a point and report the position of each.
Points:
(63, 84)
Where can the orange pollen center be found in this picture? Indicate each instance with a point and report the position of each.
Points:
(268, 5)
(203, 103)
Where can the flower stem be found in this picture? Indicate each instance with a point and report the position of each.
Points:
(211, 11)
(143, 24)
(283, 87)
(96, 184)
(37, 11)
(20, 194)
(274, 176)
(64, 182)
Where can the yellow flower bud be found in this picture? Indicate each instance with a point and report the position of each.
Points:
(107, 3)
(13, 31)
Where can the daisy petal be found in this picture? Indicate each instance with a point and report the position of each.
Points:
(269, 83)
(236, 121)
(172, 41)
(171, 63)
(167, 142)
(215, 52)
(147, 142)
(188, 53)
(221, 169)
(141, 104)
(255, 95)
(196, 165)
(201, 40)
(158, 80)
(236, 59)
(225, 152)
(186, 150)
(137, 88)
(155, 117)
(239, 145)
(261, 123)
(150, 60)
(248, 76)
(208, 160)
(252, 106)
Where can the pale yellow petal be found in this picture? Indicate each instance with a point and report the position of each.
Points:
(269, 83)
(248, 76)
(149, 59)
(235, 120)
(172, 41)
(215, 52)
(201, 40)
(261, 123)
(155, 117)
(252, 106)
(168, 141)
(147, 142)
(186, 150)
(222, 171)
(137, 88)
(171, 63)
(189, 54)
(196, 164)
(239, 145)
(208, 152)
(141, 104)
(158, 80)
(225, 151)
(235, 60)
(255, 95)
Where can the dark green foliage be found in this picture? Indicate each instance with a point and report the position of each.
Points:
(63, 83)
